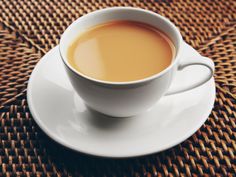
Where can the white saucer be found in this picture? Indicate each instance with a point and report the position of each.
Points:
(61, 114)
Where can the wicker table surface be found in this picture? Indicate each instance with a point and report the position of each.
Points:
(30, 28)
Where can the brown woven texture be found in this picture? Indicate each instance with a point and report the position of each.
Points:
(28, 29)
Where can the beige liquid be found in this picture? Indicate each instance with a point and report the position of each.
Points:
(121, 51)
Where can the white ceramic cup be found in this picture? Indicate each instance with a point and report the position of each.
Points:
(124, 99)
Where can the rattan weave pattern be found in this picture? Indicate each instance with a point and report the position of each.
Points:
(25, 150)
(43, 21)
(17, 59)
(222, 49)
(30, 28)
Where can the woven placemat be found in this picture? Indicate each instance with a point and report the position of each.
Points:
(28, 29)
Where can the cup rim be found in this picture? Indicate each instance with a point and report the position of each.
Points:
(139, 81)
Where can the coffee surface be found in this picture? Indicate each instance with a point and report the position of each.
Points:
(121, 51)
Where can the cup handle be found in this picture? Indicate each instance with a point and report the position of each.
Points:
(204, 61)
